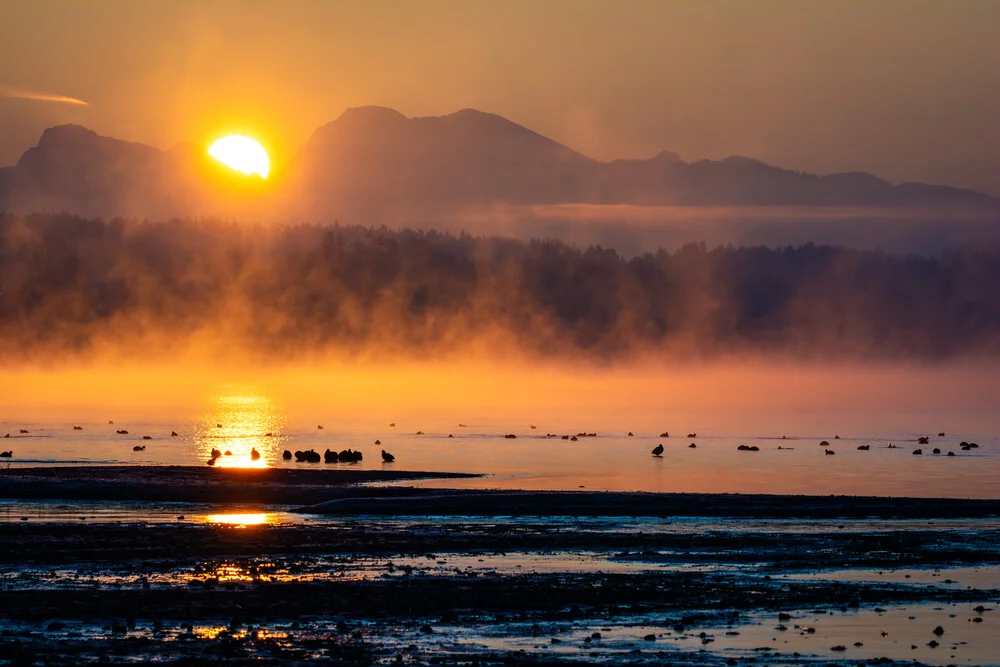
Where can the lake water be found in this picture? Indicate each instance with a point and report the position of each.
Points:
(455, 418)
(793, 464)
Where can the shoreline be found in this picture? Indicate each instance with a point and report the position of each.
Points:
(200, 484)
(350, 493)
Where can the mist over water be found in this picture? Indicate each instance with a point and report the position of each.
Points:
(83, 290)
(634, 230)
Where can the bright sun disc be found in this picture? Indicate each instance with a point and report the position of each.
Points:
(242, 154)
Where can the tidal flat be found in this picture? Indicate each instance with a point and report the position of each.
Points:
(623, 578)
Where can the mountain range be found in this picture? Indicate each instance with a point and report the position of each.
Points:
(373, 164)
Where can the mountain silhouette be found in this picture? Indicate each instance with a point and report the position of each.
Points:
(372, 157)
(76, 170)
(372, 165)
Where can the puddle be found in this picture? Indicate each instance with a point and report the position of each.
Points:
(982, 578)
(908, 634)
(855, 636)
(136, 512)
(899, 633)
(337, 567)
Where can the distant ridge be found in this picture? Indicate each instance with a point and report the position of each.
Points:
(374, 162)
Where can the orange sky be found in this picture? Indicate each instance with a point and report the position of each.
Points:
(907, 89)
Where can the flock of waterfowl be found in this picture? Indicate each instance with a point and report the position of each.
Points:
(354, 456)
(825, 444)
(308, 456)
(330, 456)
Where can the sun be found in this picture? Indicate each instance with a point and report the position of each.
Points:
(242, 154)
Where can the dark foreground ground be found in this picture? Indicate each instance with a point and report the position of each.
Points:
(350, 493)
(196, 483)
(406, 587)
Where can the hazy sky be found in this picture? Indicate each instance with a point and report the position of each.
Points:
(907, 89)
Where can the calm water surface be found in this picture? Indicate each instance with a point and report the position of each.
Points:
(788, 462)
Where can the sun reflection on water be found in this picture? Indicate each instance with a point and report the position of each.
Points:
(241, 424)
(253, 634)
(241, 520)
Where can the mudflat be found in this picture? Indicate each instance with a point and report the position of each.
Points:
(195, 483)
(348, 492)
(373, 574)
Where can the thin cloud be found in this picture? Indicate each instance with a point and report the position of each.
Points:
(17, 92)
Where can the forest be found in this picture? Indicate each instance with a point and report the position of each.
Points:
(72, 287)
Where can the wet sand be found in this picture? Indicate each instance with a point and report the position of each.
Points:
(197, 483)
(465, 586)
(352, 493)
(426, 502)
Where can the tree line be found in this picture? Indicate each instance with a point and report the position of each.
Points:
(71, 285)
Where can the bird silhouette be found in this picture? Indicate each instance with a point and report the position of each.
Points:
(658, 450)
(254, 454)
(387, 457)
(349, 456)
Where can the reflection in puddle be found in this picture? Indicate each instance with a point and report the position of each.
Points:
(235, 572)
(242, 520)
(331, 568)
(897, 632)
(930, 633)
(212, 632)
(984, 577)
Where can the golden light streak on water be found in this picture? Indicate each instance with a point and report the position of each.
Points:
(240, 423)
(241, 520)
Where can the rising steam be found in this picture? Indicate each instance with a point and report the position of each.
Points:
(76, 287)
